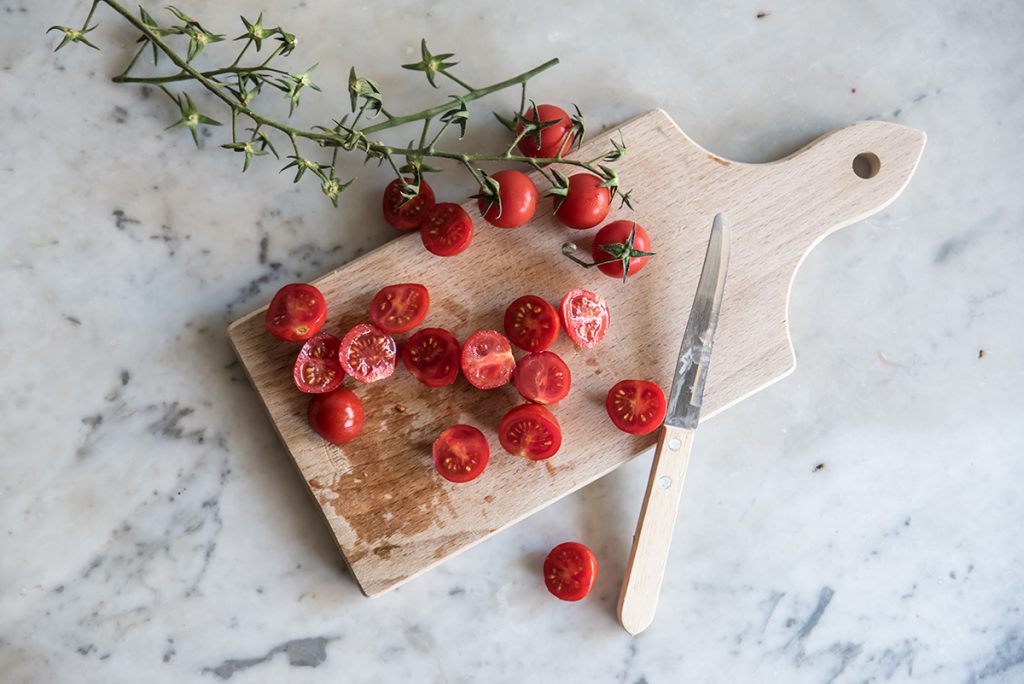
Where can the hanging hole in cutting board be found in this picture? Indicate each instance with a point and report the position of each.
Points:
(866, 165)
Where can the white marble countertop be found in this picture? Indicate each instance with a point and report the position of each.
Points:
(859, 521)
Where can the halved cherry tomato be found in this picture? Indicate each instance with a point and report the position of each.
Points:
(585, 317)
(317, 369)
(368, 353)
(406, 213)
(518, 200)
(617, 233)
(570, 571)
(553, 139)
(461, 453)
(587, 203)
(636, 406)
(487, 360)
(400, 308)
(432, 356)
(337, 416)
(530, 430)
(446, 229)
(542, 377)
(531, 323)
(296, 313)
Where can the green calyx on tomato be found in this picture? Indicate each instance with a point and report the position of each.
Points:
(623, 258)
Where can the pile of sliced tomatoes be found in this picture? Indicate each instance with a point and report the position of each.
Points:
(368, 352)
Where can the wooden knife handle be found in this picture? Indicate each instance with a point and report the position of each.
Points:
(645, 569)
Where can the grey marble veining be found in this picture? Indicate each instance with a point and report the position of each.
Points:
(857, 522)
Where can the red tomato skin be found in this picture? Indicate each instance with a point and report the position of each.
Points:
(572, 554)
(542, 362)
(448, 348)
(587, 333)
(586, 205)
(382, 344)
(531, 309)
(526, 413)
(470, 438)
(446, 230)
(296, 313)
(336, 416)
(402, 293)
(499, 355)
(654, 399)
(323, 373)
(406, 214)
(552, 139)
(518, 200)
(618, 232)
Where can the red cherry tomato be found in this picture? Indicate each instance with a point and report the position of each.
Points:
(530, 430)
(636, 406)
(585, 317)
(487, 360)
(461, 453)
(400, 308)
(296, 313)
(446, 229)
(432, 356)
(542, 377)
(570, 571)
(518, 200)
(317, 369)
(617, 232)
(553, 139)
(586, 205)
(531, 323)
(406, 213)
(337, 416)
(368, 353)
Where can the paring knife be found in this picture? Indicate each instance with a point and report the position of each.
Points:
(645, 569)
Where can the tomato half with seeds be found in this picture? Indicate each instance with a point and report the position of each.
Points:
(337, 416)
(518, 200)
(555, 138)
(399, 308)
(367, 353)
(446, 229)
(542, 377)
(586, 203)
(296, 313)
(530, 430)
(487, 360)
(317, 369)
(636, 406)
(570, 571)
(432, 356)
(461, 453)
(406, 213)
(531, 323)
(612, 242)
(585, 317)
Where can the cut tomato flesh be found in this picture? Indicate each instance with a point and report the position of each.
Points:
(432, 356)
(636, 406)
(542, 377)
(367, 353)
(530, 430)
(317, 368)
(531, 323)
(487, 360)
(585, 317)
(461, 453)
(296, 313)
(400, 308)
(446, 229)
(570, 571)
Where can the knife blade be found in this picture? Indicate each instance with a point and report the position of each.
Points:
(687, 393)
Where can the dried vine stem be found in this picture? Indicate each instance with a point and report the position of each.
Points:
(237, 86)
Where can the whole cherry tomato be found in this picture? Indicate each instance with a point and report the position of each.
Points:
(554, 139)
(586, 203)
(296, 313)
(406, 213)
(518, 200)
(613, 242)
(337, 416)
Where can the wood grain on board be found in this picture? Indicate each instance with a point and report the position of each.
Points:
(391, 515)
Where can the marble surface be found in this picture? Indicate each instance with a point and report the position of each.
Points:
(859, 521)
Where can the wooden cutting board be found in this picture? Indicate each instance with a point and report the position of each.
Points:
(391, 515)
